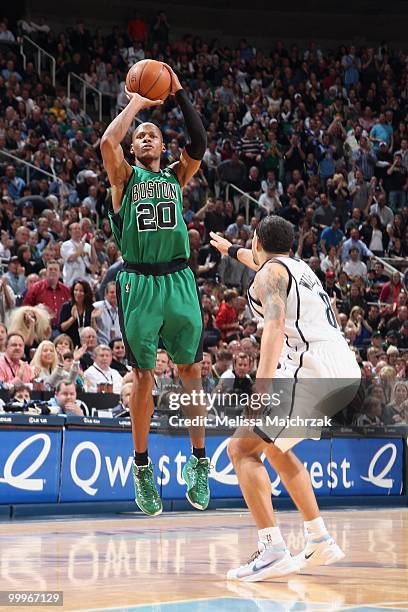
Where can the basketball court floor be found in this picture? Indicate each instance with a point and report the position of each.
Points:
(177, 562)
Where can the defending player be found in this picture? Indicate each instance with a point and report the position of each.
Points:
(157, 293)
(301, 334)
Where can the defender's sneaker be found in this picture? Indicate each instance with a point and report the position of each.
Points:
(147, 497)
(319, 552)
(265, 563)
(195, 473)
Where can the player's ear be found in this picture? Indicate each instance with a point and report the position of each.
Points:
(163, 147)
(132, 149)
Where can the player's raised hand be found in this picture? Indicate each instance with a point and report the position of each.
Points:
(220, 243)
(143, 102)
(175, 82)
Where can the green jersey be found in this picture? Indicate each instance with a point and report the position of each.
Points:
(149, 227)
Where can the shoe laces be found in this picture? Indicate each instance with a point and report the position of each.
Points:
(257, 553)
(146, 484)
(202, 470)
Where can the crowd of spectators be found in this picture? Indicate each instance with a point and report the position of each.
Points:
(318, 136)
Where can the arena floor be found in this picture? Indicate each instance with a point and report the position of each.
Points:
(177, 562)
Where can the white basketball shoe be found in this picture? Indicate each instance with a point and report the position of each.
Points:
(324, 551)
(266, 562)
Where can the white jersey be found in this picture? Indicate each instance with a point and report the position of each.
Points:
(312, 335)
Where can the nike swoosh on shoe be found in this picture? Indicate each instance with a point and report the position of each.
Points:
(257, 568)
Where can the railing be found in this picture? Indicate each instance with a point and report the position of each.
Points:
(29, 167)
(84, 87)
(41, 55)
(244, 196)
(388, 268)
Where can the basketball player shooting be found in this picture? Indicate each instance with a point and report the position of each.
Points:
(157, 293)
(301, 334)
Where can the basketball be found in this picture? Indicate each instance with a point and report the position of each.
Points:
(150, 79)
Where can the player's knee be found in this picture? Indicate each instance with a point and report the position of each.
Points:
(235, 450)
(192, 370)
(143, 380)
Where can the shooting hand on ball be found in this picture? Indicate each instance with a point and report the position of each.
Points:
(142, 102)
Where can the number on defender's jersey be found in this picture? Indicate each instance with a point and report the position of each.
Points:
(151, 217)
(331, 317)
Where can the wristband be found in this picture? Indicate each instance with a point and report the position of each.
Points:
(233, 250)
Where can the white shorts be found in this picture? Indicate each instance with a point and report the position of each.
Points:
(320, 360)
(313, 387)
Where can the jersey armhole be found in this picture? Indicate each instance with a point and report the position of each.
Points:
(287, 270)
(172, 171)
(116, 216)
(111, 211)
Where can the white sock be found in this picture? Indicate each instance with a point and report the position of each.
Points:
(316, 529)
(270, 536)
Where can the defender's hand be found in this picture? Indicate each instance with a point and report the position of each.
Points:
(175, 83)
(220, 243)
(143, 102)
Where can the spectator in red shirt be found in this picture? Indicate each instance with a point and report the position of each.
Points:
(391, 290)
(50, 291)
(12, 369)
(137, 29)
(227, 317)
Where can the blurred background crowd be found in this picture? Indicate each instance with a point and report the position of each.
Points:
(318, 136)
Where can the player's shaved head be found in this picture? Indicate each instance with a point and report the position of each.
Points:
(147, 126)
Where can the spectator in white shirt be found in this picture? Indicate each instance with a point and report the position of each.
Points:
(101, 372)
(90, 199)
(382, 210)
(271, 182)
(79, 257)
(107, 322)
(132, 55)
(355, 267)
(269, 202)
(6, 35)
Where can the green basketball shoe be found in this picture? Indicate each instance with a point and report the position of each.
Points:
(147, 497)
(195, 473)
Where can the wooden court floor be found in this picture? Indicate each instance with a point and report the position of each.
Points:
(177, 562)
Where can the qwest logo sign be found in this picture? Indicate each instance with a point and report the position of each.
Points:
(378, 478)
(115, 470)
(98, 465)
(376, 464)
(29, 466)
(23, 480)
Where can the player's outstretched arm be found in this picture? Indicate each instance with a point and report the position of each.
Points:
(114, 161)
(271, 285)
(193, 152)
(243, 255)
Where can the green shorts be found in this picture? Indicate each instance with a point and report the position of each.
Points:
(165, 306)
